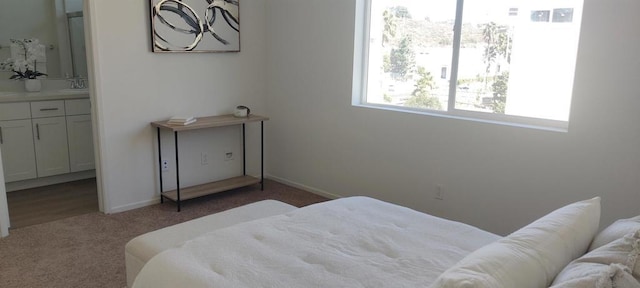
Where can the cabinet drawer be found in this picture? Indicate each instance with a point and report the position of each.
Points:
(15, 111)
(77, 106)
(42, 109)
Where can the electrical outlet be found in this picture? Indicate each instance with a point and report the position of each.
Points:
(439, 195)
(165, 165)
(204, 158)
(228, 156)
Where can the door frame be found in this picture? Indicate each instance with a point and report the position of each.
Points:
(4, 208)
(89, 8)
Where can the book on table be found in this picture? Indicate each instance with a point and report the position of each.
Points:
(179, 120)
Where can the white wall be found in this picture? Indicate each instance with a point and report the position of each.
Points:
(135, 86)
(299, 54)
(495, 177)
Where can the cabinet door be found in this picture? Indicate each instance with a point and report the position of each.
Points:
(80, 143)
(52, 151)
(18, 156)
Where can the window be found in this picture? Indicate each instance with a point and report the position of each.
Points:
(507, 61)
(563, 15)
(540, 16)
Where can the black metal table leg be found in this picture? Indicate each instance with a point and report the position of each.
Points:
(262, 155)
(244, 148)
(160, 164)
(177, 171)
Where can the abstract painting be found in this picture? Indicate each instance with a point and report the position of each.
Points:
(195, 25)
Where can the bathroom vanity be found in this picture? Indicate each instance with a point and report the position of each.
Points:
(46, 135)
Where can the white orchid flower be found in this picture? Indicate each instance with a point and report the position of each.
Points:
(25, 67)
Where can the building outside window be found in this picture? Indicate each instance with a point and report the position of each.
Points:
(563, 15)
(540, 16)
(510, 61)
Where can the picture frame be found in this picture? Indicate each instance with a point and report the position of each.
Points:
(195, 25)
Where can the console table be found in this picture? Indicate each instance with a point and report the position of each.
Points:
(185, 193)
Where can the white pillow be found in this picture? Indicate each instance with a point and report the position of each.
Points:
(623, 251)
(531, 256)
(590, 275)
(615, 231)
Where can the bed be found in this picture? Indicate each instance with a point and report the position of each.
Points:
(363, 242)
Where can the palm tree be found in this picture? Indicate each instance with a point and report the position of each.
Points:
(402, 59)
(389, 27)
(421, 96)
(497, 44)
(489, 34)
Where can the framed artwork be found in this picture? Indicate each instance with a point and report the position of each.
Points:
(195, 25)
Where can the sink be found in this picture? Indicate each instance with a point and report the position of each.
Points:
(44, 93)
(74, 91)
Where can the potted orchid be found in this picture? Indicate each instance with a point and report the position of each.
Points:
(24, 64)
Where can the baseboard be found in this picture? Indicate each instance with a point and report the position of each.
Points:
(46, 181)
(313, 190)
(132, 206)
(156, 200)
(136, 205)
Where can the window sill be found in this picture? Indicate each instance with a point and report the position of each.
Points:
(504, 120)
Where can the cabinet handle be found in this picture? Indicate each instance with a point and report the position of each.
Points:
(1, 137)
(38, 131)
(48, 109)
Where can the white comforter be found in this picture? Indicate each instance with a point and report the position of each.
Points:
(349, 242)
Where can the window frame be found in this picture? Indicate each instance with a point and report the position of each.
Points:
(360, 80)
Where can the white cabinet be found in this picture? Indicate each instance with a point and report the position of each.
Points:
(45, 138)
(16, 142)
(52, 151)
(50, 137)
(80, 135)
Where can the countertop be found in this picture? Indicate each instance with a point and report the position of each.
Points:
(7, 97)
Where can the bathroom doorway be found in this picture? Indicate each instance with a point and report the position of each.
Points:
(49, 198)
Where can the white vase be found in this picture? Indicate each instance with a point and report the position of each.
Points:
(32, 85)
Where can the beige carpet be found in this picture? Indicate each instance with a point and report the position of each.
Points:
(88, 250)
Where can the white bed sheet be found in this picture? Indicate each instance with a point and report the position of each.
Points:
(349, 242)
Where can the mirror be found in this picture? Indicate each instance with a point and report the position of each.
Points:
(57, 24)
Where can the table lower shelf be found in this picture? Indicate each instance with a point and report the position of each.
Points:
(210, 188)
